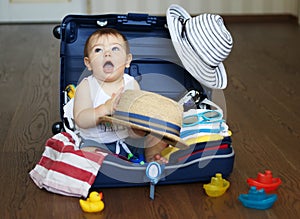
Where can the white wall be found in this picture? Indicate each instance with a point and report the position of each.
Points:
(159, 7)
(43, 12)
(39, 10)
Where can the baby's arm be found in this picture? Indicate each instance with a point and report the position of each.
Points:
(85, 115)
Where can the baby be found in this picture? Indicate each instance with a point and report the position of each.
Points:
(106, 55)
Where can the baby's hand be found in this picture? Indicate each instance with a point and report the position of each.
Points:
(112, 103)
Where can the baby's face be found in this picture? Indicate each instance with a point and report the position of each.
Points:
(107, 57)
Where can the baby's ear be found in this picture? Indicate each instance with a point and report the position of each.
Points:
(128, 60)
(87, 63)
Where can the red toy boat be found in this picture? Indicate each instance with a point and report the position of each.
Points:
(265, 181)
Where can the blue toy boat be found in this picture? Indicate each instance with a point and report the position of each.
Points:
(257, 199)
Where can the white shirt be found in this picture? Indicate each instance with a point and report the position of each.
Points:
(104, 133)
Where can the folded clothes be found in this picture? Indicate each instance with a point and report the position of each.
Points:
(209, 148)
(198, 138)
(202, 125)
(65, 170)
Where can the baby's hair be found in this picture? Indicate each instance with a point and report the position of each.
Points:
(102, 32)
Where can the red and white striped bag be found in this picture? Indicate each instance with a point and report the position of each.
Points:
(64, 169)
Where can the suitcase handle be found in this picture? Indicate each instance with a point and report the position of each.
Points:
(137, 17)
(134, 20)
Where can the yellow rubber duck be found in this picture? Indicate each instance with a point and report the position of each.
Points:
(93, 204)
(217, 186)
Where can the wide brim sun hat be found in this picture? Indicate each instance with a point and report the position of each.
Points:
(150, 112)
(202, 44)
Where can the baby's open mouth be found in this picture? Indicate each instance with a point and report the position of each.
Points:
(108, 67)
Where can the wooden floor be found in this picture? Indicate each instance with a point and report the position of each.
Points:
(263, 111)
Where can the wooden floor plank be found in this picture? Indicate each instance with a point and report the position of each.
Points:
(262, 107)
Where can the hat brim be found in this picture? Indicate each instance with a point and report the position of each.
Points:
(166, 137)
(215, 78)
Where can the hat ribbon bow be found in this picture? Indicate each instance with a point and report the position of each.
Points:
(183, 23)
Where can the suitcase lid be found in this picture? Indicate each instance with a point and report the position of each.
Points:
(155, 64)
(141, 30)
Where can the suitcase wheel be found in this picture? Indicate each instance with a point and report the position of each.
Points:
(56, 31)
(57, 127)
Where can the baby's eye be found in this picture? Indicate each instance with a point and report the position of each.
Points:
(115, 49)
(98, 50)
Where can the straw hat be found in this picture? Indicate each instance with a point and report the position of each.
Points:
(202, 43)
(150, 112)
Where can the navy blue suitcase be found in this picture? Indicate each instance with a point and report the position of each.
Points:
(157, 68)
